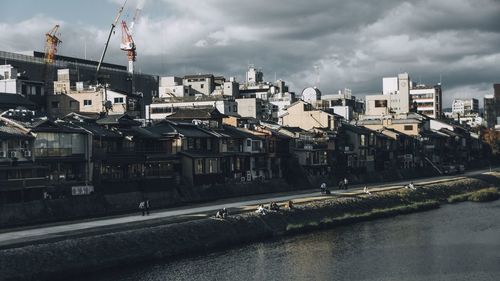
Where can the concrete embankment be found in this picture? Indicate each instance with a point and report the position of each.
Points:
(72, 257)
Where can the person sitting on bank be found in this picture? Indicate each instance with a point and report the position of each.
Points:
(273, 206)
(411, 186)
(221, 214)
(289, 205)
(260, 210)
(365, 190)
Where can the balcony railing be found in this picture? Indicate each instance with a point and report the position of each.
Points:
(17, 184)
(53, 152)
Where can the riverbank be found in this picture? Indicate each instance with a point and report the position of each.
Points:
(72, 257)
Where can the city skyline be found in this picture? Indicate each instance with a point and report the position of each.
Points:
(353, 45)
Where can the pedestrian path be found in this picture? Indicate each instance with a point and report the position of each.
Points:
(59, 231)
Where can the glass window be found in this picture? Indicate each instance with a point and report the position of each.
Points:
(118, 100)
(408, 127)
(198, 166)
(87, 102)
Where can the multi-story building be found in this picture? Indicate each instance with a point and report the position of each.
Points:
(402, 96)
(427, 100)
(69, 97)
(172, 86)
(492, 107)
(32, 65)
(465, 106)
(304, 115)
(13, 82)
(161, 109)
(200, 84)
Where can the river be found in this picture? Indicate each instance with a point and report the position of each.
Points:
(455, 242)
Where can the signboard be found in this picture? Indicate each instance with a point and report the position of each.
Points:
(82, 190)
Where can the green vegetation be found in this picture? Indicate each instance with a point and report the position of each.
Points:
(482, 195)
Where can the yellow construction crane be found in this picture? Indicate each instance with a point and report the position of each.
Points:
(51, 43)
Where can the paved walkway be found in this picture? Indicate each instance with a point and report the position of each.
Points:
(29, 235)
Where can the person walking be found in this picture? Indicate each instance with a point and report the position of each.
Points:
(346, 182)
(142, 207)
(147, 206)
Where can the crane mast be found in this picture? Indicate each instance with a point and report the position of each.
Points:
(113, 25)
(128, 45)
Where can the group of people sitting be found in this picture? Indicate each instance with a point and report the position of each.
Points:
(273, 206)
(221, 214)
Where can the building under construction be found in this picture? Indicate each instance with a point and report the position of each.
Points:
(32, 66)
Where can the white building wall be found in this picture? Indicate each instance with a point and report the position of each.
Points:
(390, 85)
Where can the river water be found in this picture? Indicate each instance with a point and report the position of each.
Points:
(455, 242)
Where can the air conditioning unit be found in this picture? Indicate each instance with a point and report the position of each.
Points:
(243, 179)
(2, 154)
(12, 154)
(27, 153)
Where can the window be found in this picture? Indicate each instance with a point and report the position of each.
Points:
(380, 103)
(362, 140)
(235, 108)
(408, 128)
(202, 86)
(249, 143)
(118, 100)
(211, 166)
(87, 102)
(54, 104)
(198, 166)
(190, 142)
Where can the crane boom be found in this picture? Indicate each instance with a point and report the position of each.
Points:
(51, 43)
(113, 25)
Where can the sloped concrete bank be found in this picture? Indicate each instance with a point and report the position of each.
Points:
(67, 258)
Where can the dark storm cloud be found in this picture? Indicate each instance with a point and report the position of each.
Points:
(352, 43)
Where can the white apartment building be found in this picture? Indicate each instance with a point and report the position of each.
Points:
(427, 100)
(172, 86)
(465, 106)
(254, 76)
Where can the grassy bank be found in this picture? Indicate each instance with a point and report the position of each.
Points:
(64, 259)
(483, 195)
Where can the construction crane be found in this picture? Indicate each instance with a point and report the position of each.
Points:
(113, 25)
(51, 43)
(128, 45)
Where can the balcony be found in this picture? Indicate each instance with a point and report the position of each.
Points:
(53, 152)
(18, 184)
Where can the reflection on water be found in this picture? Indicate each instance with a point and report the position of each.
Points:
(456, 242)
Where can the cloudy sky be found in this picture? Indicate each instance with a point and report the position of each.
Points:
(351, 44)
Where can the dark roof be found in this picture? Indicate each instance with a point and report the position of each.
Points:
(196, 113)
(355, 129)
(118, 119)
(190, 130)
(200, 154)
(293, 129)
(162, 129)
(98, 131)
(239, 133)
(56, 127)
(8, 101)
(8, 131)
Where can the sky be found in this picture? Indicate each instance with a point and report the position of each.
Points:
(331, 44)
